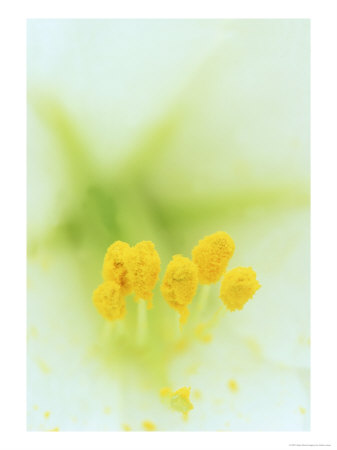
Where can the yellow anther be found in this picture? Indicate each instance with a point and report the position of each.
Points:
(180, 284)
(180, 401)
(115, 266)
(109, 302)
(238, 286)
(144, 265)
(211, 255)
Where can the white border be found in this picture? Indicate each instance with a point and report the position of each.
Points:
(324, 225)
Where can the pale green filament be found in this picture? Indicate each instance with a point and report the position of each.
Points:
(141, 322)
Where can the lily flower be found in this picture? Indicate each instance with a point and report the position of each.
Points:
(191, 127)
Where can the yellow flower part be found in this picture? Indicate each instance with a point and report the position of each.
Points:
(180, 401)
(238, 286)
(149, 426)
(211, 255)
(165, 392)
(233, 385)
(202, 334)
(180, 284)
(115, 266)
(144, 266)
(109, 302)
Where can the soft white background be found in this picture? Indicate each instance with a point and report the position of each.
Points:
(323, 308)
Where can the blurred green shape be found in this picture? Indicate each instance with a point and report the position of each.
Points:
(125, 207)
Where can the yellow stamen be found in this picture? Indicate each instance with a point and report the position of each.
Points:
(238, 286)
(109, 302)
(211, 256)
(180, 284)
(115, 266)
(144, 267)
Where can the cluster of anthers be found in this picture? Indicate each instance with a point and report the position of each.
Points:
(136, 269)
(125, 270)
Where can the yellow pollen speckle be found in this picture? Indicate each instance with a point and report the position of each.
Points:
(47, 414)
(107, 410)
(211, 256)
(302, 410)
(238, 286)
(126, 427)
(43, 366)
(109, 302)
(165, 392)
(180, 401)
(180, 284)
(55, 429)
(201, 333)
(35, 407)
(197, 394)
(233, 386)
(115, 266)
(181, 345)
(149, 426)
(144, 266)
